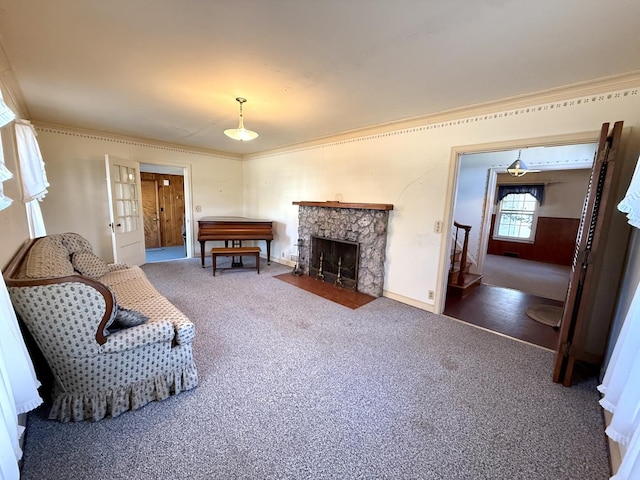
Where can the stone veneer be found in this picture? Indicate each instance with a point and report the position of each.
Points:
(365, 226)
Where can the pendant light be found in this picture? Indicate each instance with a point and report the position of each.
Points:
(517, 168)
(240, 133)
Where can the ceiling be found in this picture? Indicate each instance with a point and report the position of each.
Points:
(170, 70)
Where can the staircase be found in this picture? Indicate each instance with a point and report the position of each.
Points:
(461, 282)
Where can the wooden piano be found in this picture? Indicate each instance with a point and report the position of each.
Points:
(234, 229)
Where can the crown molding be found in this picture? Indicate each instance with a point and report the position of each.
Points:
(142, 142)
(493, 109)
(582, 89)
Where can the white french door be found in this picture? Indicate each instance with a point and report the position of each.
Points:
(125, 212)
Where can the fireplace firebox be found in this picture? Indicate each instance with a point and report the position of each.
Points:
(335, 261)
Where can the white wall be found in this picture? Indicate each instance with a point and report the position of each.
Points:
(77, 199)
(411, 169)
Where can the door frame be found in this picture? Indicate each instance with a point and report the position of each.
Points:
(452, 189)
(188, 195)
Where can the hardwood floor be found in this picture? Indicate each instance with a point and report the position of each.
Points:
(503, 310)
(345, 297)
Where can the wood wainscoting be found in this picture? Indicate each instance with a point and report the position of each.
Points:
(555, 242)
(164, 225)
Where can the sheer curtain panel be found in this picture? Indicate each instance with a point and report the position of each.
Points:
(621, 383)
(18, 386)
(32, 175)
(18, 382)
(6, 117)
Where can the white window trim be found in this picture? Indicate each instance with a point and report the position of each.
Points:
(534, 226)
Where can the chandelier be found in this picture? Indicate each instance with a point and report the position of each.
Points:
(240, 133)
(517, 168)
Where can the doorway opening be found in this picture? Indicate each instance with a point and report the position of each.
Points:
(164, 200)
(517, 275)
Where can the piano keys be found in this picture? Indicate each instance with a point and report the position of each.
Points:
(234, 229)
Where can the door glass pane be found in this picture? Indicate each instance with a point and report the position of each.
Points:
(126, 198)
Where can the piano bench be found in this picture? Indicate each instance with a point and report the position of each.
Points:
(235, 252)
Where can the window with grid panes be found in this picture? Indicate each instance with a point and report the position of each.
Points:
(516, 218)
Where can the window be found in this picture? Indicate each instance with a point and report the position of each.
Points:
(516, 218)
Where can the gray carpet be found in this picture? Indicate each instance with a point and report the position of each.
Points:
(544, 280)
(293, 386)
(164, 253)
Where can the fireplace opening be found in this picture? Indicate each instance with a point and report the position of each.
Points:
(335, 261)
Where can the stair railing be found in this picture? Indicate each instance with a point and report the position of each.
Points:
(463, 256)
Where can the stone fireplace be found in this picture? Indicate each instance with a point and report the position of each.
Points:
(353, 233)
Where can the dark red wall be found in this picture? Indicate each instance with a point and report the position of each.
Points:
(554, 243)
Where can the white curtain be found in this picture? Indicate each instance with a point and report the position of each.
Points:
(18, 386)
(621, 382)
(36, 222)
(18, 382)
(13, 351)
(6, 116)
(32, 175)
(5, 174)
(630, 204)
(10, 431)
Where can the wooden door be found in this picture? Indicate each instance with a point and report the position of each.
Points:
(150, 212)
(575, 319)
(125, 212)
(171, 198)
(170, 208)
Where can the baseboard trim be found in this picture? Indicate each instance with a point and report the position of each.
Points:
(281, 261)
(409, 301)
